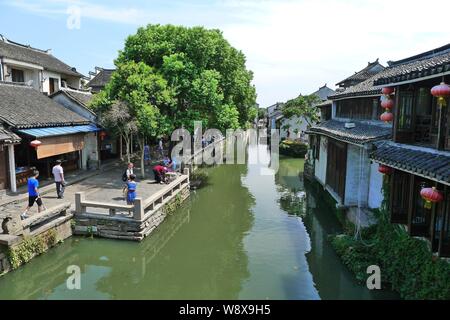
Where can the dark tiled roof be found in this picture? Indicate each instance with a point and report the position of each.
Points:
(24, 53)
(23, 107)
(7, 136)
(364, 74)
(427, 162)
(324, 92)
(365, 88)
(101, 79)
(81, 97)
(363, 132)
(325, 103)
(429, 63)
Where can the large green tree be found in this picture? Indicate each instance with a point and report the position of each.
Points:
(302, 108)
(207, 77)
(170, 76)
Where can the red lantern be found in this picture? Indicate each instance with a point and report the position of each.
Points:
(384, 169)
(35, 143)
(431, 195)
(102, 135)
(441, 92)
(387, 91)
(387, 117)
(387, 103)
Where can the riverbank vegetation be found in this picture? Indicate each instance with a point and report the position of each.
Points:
(292, 148)
(198, 178)
(406, 263)
(31, 247)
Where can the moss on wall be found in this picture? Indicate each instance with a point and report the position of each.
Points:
(31, 247)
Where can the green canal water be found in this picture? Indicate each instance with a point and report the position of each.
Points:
(244, 236)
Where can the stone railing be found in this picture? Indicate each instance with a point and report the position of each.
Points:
(151, 204)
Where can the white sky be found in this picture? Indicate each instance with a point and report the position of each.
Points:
(292, 46)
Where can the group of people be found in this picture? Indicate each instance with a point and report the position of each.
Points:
(147, 155)
(160, 172)
(33, 188)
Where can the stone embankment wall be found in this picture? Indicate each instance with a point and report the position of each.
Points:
(21, 241)
(124, 228)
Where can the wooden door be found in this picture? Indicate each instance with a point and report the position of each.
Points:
(336, 167)
(405, 117)
(400, 194)
(420, 217)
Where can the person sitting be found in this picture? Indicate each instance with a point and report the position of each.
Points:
(166, 161)
(160, 173)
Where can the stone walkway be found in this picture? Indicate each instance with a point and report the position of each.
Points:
(102, 185)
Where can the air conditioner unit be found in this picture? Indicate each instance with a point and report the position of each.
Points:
(349, 125)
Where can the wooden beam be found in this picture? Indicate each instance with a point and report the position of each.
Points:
(396, 114)
(411, 202)
(433, 223)
(445, 217)
(441, 129)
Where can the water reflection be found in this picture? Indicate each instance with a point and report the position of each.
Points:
(196, 254)
(245, 235)
(332, 279)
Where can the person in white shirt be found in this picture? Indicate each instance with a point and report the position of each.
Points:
(58, 174)
(130, 170)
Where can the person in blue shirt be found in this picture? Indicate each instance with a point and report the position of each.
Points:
(130, 189)
(33, 194)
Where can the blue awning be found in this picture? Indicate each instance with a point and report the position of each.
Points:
(59, 131)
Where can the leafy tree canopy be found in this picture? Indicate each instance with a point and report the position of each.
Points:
(303, 107)
(172, 75)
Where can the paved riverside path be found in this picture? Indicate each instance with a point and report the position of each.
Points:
(105, 186)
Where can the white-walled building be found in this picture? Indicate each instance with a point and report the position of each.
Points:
(37, 68)
(295, 127)
(341, 148)
(78, 102)
(99, 78)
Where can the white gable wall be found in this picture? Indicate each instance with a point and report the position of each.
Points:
(357, 176)
(63, 100)
(376, 184)
(320, 166)
(295, 123)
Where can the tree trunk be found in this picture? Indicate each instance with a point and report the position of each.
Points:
(127, 144)
(121, 147)
(141, 145)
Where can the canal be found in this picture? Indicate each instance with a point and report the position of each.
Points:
(246, 235)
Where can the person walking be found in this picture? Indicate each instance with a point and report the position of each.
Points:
(58, 175)
(33, 195)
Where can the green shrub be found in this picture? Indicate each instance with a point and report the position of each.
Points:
(199, 178)
(293, 148)
(406, 263)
